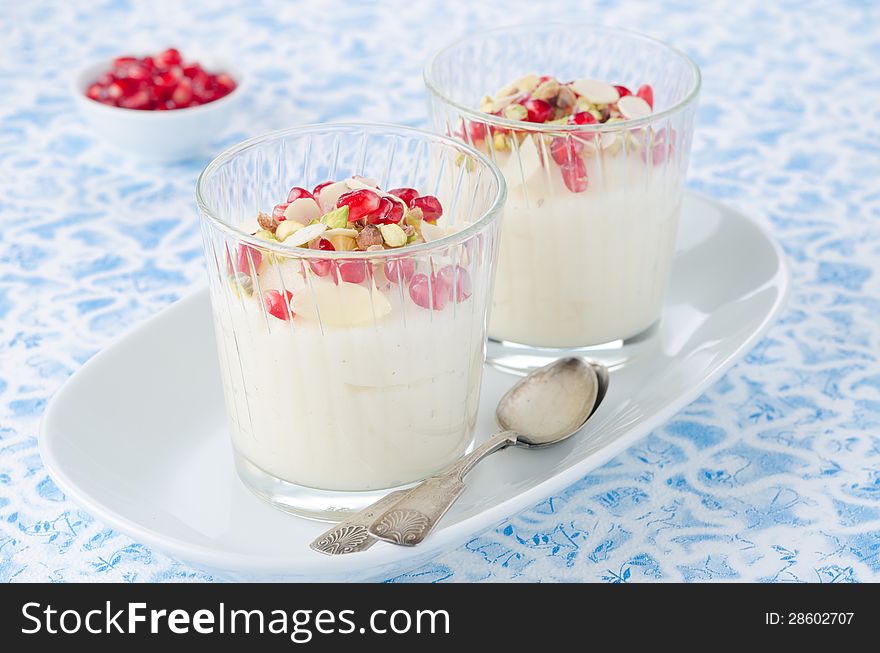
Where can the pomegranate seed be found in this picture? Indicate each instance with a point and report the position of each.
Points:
(138, 71)
(276, 304)
(456, 277)
(95, 92)
(163, 84)
(168, 58)
(122, 63)
(430, 206)
(353, 271)
(582, 118)
(122, 87)
(322, 267)
(140, 100)
(182, 95)
(406, 194)
(399, 269)
(278, 211)
(319, 187)
(433, 294)
(106, 79)
(225, 83)
(574, 174)
(360, 203)
(647, 94)
(623, 91)
(191, 70)
(563, 149)
(296, 192)
(538, 110)
(243, 265)
(477, 131)
(149, 62)
(388, 212)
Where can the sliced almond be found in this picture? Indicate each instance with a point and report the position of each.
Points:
(303, 210)
(341, 231)
(306, 234)
(595, 91)
(348, 304)
(632, 107)
(329, 195)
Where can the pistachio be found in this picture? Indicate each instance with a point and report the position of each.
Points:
(241, 282)
(546, 90)
(369, 235)
(337, 218)
(267, 221)
(286, 228)
(516, 112)
(487, 104)
(393, 235)
(500, 142)
(264, 234)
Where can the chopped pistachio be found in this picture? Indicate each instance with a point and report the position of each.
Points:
(487, 104)
(546, 90)
(500, 141)
(242, 281)
(337, 218)
(516, 112)
(369, 235)
(393, 235)
(286, 228)
(262, 234)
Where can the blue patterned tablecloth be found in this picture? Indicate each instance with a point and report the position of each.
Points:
(774, 474)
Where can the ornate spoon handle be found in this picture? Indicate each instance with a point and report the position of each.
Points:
(351, 535)
(410, 520)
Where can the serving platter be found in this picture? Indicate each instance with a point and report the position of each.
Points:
(138, 435)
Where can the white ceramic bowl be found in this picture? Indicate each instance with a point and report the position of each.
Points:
(160, 136)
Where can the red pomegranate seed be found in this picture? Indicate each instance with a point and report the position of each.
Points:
(140, 100)
(276, 304)
(353, 271)
(562, 149)
(319, 187)
(399, 269)
(164, 84)
(647, 94)
(278, 211)
(388, 212)
(456, 277)
(95, 92)
(124, 62)
(360, 203)
(433, 294)
(623, 91)
(182, 95)
(168, 58)
(538, 110)
(477, 131)
(191, 70)
(406, 194)
(296, 192)
(225, 83)
(430, 206)
(138, 71)
(122, 87)
(574, 174)
(149, 62)
(243, 265)
(322, 267)
(582, 118)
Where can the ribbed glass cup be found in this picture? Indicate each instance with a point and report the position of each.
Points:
(354, 388)
(584, 267)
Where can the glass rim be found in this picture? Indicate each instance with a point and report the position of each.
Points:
(544, 128)
(290, 251)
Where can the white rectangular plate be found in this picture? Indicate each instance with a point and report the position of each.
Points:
(138, 435)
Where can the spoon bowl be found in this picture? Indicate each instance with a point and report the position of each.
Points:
(550, 404)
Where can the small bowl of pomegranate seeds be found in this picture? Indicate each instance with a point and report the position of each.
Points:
(161, 106)
(350, 269)
(591, 127)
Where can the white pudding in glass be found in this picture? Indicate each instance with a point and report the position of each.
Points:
(362, 390)
(582, 268)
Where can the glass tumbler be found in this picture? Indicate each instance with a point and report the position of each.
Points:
(349, 373)
(592, 210)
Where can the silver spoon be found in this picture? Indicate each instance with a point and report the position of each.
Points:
(547, 406)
